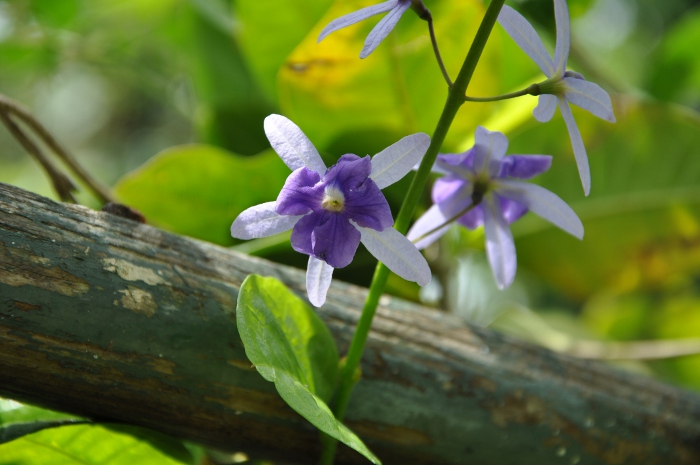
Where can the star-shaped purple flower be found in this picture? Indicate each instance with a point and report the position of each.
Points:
(480, 187)
(332, 210)
(562, 86)
(396, 9)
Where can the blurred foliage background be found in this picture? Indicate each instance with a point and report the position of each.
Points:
(164, 100)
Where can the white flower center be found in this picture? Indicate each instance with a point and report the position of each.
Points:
(333, 199)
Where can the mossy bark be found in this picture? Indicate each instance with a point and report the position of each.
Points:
(112, 319)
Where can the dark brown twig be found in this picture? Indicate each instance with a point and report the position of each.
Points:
(10, 107)
(62, 184)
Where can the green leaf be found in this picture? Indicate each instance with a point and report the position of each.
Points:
(231, 105)
(36, 439)
(198, 190)
(87, 445)
(675, 74)
(55, 14)
(291, 347)
(15, 412)
(17, 430)
(290, 19)
(643, 212)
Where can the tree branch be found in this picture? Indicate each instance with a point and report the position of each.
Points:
(109, 318)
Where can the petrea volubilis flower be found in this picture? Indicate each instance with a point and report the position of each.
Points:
(562, 86)
(481, 187)
(395, 9)
(333, 210)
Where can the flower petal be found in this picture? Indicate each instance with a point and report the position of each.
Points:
(397, 253)
(298, 196)
(384, 27)
(327, 236)
(589, 96)
(522, 32)
(261, 221)
(368, 207)
(356, 17)
(584, 170)
(561, 52)
(542, 202)
(546, 106)
(500, 247)
(491, 147)
(318, 280)
(512, 210)
(451, 163)
(524, 166)
(473, 218)
(395, 161)
(292, 145)
(453, 196)
(349, 173)
(430, 220)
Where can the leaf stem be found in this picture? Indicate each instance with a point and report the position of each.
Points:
(455, 99)
(531, 90)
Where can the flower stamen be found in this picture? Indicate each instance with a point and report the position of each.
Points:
(333, 199)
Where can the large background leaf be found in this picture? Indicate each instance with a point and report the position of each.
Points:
(92, 445)
(397, 89)
(645, 193)
(199, 190)
(44, 436)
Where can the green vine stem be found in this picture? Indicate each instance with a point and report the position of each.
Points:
(455, 99)
(534, 89)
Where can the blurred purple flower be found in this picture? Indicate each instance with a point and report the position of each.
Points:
(332, 210)
(562, 86)
(396, 9)
(479, 189)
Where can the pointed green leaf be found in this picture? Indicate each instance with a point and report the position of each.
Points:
(291, 347)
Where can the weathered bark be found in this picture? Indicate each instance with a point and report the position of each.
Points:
(109, 318)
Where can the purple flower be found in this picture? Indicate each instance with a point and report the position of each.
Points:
(480, 187)
(396, 9)
(332, 210)
(562, 86)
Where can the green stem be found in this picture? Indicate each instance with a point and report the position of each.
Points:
(436, 50)
(455, 99)
(532, 90)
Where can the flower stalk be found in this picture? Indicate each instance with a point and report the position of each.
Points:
(534, 89)
(455, 99)
(436, 49)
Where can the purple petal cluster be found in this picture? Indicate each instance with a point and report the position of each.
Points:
(482, 187)
(344, 193)
(455, 192)
(332, 210)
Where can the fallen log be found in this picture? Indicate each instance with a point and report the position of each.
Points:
(109, 318)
